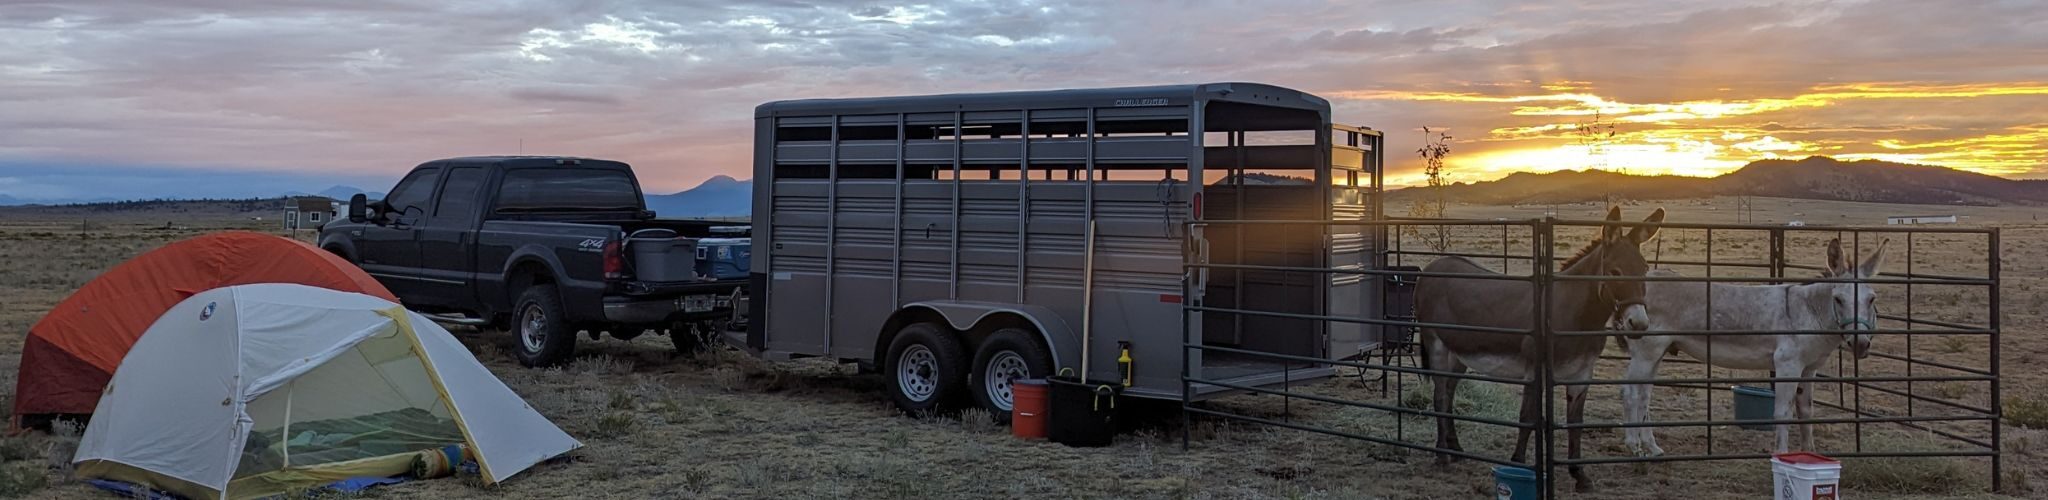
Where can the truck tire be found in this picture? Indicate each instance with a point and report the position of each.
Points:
(1007, 355)
(926, 369)
(545, 336)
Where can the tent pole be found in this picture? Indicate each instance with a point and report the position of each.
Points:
(290, 388)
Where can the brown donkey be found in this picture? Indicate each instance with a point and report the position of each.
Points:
(1575, 306)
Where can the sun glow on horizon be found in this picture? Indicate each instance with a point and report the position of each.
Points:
(1544, 131)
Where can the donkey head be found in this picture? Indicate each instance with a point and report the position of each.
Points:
(1853, 306)
(1621, 255)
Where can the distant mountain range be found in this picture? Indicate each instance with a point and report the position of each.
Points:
(1818, 177)
(719, 196)
(342, 193)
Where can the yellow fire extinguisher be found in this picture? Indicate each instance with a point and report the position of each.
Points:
(1123, 361)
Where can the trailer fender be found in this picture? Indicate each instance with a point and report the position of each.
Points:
(1061, 341)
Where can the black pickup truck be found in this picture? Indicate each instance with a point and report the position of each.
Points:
(537, 246)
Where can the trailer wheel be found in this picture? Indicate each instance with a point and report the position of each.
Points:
(545, 337)
(927, 368)
(1007, 355)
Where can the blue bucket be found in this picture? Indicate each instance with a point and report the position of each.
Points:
(1513, 483)
(1754, 404)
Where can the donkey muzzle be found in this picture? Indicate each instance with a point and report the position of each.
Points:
(1633, 317)
(1859, 345)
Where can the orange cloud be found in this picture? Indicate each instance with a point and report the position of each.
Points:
(1703, 137)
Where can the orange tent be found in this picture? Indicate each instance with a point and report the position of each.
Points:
(72, 352)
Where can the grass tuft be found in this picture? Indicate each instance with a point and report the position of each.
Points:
(17, 448)
(2031, 413)
(622, 399)
(615, 424)
(1911, 475)
(978, 421)
(18, 480)
(600, 365)
(728, 378)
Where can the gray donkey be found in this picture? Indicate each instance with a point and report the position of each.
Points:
(1836, 312)
(1574, 306)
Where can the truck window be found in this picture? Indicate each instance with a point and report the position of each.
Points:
(541, 189)
(412, 192)
(458, 200)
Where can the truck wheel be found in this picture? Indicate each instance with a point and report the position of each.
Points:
(545, 336)
(1007, 355)
(927, 369)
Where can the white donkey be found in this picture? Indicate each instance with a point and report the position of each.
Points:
(1846, 307)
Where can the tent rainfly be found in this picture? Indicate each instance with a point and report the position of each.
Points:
(70, 353)
(254, 390)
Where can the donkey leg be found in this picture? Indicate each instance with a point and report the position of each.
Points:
(1444, 389)
(1643, 357)
(1450, 402)
(1785, 394)
(1575, 412)
(1532, 409)
(1804, 407)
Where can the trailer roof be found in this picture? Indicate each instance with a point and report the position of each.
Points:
(1161, 95)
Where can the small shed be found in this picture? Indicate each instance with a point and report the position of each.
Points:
(1920, 219)
(308, 212)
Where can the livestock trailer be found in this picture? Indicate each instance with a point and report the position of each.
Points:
(944, 240)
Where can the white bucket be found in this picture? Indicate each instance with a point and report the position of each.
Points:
(1805, 476)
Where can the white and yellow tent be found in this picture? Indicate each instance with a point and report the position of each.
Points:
(254, 390)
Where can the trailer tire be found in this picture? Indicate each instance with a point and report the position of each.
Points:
(1007, 355)
(926, 368)
(545, 337)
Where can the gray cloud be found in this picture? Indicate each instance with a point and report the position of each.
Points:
(372, 87)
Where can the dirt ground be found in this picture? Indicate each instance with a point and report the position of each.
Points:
(723, 425)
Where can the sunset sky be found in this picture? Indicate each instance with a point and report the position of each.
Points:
(147, 98)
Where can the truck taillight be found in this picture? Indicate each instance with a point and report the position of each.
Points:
(614, 261)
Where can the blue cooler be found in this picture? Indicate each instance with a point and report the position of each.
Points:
(724, 258)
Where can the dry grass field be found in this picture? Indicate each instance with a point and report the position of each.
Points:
(724, 425)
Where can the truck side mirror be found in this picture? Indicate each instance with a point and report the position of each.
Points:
(359, 208)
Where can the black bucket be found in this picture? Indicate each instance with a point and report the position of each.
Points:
(1083, 414)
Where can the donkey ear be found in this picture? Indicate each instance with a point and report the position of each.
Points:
(1610, 232)
(1836, 264)
(1643, 234)
(1869, 267)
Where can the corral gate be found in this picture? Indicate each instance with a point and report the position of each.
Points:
(1911, 380)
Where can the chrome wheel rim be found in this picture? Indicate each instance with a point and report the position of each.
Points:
(917, 373)
(1002, 371)
(533, 327)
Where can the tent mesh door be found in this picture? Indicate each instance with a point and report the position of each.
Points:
(374, 401)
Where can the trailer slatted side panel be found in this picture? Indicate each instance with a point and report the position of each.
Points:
(927, 237)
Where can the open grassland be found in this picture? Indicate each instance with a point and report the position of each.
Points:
(723, 425)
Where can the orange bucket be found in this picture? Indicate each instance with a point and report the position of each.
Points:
(1027, 411)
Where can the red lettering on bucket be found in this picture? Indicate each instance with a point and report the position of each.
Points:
(1823, 492)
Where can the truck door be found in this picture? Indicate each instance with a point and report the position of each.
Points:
(447, 261)
(390, 251)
